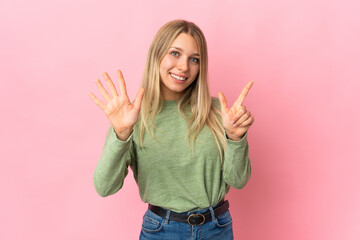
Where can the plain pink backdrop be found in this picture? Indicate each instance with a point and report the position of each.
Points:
(302, 55)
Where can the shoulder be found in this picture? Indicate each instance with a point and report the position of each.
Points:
(216, 102)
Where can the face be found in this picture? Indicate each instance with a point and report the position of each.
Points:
(179, 67)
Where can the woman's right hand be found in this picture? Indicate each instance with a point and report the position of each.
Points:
(122, 114)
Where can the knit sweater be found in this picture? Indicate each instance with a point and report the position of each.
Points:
(168, 172)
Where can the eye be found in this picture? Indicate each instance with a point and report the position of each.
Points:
(175, 53)
(195, 60)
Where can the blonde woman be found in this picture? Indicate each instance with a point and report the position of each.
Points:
(184, 147)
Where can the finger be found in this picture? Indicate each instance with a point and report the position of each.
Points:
(139, 97)
(121, 82)
(248, 121)
(110, 84)
(243, 94)
(97, 101)
(223, 103)
(243, 118)
(238, 114)
(102, 90)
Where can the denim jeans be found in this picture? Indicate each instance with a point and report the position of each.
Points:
(155, 227)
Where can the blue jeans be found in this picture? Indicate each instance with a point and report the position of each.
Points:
(155, 227)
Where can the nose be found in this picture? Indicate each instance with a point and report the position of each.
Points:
(182, 65)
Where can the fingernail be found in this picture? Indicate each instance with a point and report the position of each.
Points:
(232, 122)
(234, 125)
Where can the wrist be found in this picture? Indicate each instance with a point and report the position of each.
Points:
(233, 137)
(123, 135)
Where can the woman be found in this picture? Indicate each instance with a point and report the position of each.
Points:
(184, 147)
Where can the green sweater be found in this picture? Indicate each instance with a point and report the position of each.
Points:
(168, 173)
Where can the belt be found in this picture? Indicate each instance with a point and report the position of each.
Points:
(192, 219)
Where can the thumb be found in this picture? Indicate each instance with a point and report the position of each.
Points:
(223, 103)
(139, 97)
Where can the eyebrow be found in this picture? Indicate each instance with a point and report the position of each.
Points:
(195, 54)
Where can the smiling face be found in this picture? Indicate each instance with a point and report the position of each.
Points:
(179, 67)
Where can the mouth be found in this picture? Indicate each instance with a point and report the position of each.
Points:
(178, 78)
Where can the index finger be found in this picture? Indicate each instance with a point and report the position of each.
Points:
(121, 82)
(243, 93)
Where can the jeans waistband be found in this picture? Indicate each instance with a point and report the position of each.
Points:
(196, 217)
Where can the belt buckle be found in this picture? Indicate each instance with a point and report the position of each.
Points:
(193, 218)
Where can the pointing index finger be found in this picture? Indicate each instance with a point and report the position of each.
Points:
(243, 93)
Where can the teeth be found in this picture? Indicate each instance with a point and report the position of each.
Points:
(177, 77)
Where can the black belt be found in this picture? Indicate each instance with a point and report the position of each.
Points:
(192, 219)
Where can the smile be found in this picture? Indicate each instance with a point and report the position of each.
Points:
(178, 77)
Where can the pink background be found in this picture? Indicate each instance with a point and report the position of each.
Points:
(302, 55)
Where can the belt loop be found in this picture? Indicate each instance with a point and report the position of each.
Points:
(167, 216)
(212, 213)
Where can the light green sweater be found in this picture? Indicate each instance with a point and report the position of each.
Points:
(168, 173)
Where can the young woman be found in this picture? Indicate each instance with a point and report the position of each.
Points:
(184, 147)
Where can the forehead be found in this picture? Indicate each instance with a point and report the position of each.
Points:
(186, 42)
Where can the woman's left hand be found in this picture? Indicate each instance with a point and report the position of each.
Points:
(236, 120)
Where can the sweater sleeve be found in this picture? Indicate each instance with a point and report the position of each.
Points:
(112, 166)
(236, 168)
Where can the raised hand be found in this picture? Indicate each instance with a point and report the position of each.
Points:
(236, 120)
(121, 113)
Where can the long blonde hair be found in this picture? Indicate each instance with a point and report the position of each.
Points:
(197, 95)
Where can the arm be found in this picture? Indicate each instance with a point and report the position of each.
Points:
(236, 121)
(236, 167)
(112, 166)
